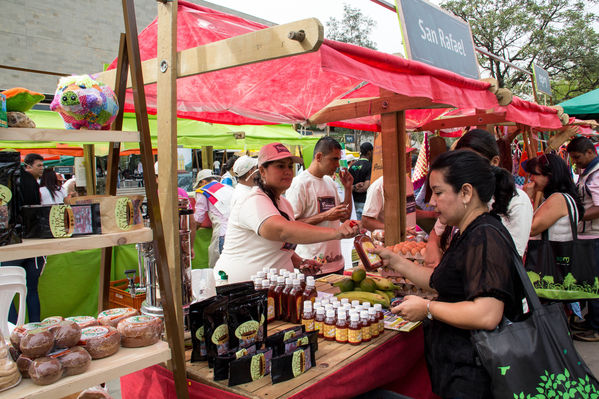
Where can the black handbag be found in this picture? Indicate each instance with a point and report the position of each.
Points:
(563, 270)
(534, 357)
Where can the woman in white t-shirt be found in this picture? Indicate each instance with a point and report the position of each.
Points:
(262, 230)
(50, 188)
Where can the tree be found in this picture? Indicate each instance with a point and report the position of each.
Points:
(353, 28)
(556, 35)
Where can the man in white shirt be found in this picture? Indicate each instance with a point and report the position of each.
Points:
(315, 200)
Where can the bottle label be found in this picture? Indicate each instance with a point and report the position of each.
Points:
(366, 333)
(309, 324)
(354, 336)
(341, 334)
(271, 309)
(299, 305)
(319, 326)
(381, 326)
(329, 331)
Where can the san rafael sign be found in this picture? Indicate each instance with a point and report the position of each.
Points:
(436, 37)
(541, 77)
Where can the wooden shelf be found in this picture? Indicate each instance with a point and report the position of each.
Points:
(125, 361)
(65, 135)
(39, 247)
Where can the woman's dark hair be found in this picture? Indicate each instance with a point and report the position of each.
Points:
(480, 141)
(268, 191)
(229, 164)
(560, 179)
(463, 166)
(50, 181)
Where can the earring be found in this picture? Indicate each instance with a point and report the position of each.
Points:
(465, 206)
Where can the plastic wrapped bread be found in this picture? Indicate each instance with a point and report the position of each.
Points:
(100, 341)
(66, 334)
(95, 393)
(138, 331)
(111, 317)
(84, 321)
(37, 343)
(75, 360)
(45, 371)
(20, 331)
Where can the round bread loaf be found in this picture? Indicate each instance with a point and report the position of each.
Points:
(75, 360)
(111, 317)
(37, 343)
(84, 321)
(20, 331)
(94, 393)
(52, 322)
(100, 341)
(140, 331)
(23, 363)
(66, 334)
(45, 370)
(14, 353)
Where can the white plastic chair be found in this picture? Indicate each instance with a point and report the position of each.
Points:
(12, 281)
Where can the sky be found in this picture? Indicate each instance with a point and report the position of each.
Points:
(386, 34)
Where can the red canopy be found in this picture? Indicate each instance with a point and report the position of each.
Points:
(290, 90)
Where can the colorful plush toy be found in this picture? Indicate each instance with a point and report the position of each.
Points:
(85, 103)
(19, 99)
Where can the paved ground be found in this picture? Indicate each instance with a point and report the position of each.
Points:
(589, 351)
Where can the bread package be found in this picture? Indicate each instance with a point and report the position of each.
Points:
(37, 343)
(84, 321)
(23, 363)
(20, 331)
(100, 341)
(137, 331)
(45, 371)
(75, 360)
(66, 334)
(50, 323)
(111, 317)
(96, 392)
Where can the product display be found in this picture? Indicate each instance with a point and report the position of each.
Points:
(100, 341)
(276, 340)
(66, 334)
(37, 343)
(117, 213)
(198, 340)
(250, 368)
(45, 371)
(75, 360)
(84, 321)
(221, 363)
(216, 329)
(60, 221)
(293, 364)
(138, 331)
(10, 219)
(19, 332)
(112, 317)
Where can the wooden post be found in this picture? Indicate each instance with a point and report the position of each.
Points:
(393, 132)
(205, 161)
(112, 168)
(90, 168)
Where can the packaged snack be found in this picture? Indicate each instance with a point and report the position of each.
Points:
(84, 321)
(37, 343)
(111, 317)
(75, 360)
(66, 334)
(276, 340)
(216, 329)
(309, 338)
(45, 371)
(236, 288)
(100, 341)
(19, 332)
(250, 368)
(293, 364)
(196, 321)
(247, 320)
(221, 363)
(23, 363)
(138, 331)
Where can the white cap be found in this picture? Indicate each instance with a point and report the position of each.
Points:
(378, 307)
(265, 283)
(355, 303)
(346, 307)
(261, 273)
(366, 305)
(363, 314)
(341, 314)
(280, 279)
(307, 304)
(244, 164)
(296, 281)
(266, 269)
(310, 280)
(353, 316)
(319, 310)
(371, 311)
(288, 281)
(282, 272)
(296, 270)
(344, 300)
(330, 313)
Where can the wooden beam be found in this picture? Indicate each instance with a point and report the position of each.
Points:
(90, 168)
(262, 45)
(393, 132)
(340, 110)
(461, 121)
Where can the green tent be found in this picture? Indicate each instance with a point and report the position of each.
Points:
(585, 106)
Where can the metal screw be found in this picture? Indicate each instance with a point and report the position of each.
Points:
(163, 66)
(299, 35)
(385, 105)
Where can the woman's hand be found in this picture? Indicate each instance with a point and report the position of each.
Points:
(390, 259)
(530, 189)
(348, 229)
(413, 308)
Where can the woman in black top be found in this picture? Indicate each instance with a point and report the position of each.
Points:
(475, 279)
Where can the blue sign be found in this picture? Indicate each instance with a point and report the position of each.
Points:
(436, 37)
(542, 82)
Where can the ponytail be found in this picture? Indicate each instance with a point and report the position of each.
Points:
(505, 190)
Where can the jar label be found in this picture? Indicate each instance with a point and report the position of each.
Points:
(319, 326)
(381, 326)
(354, 336)
(271, 309)
(341, 334)
(329, 331)
(366, 333)
(309, 324)
(374, 330)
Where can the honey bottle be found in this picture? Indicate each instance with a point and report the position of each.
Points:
(329, 325)
(310, 293)
(354, 329)
(278, 294)
(285, 299)
(308, 316)
(371, 261)
(365, 326)
(380, 316)
(271, 302)
(341, 328)
(374, 323)
(302, 279)
(294, 303)
(319, 321)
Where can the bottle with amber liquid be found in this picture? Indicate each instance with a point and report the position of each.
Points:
(374, 323)
(329, 325)
(354, 329)
(319, 321)
(308, 317)
(310, 293)
(271, 302)
(285, 299)
(365, 326)
(341, 327)
(302, 279)
(371, 261)
(380, 317)
(295, 303)
(278, 294)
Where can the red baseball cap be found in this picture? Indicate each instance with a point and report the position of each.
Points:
(274, 152)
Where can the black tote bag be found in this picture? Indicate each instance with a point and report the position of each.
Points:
(534, 357)
(563, 270)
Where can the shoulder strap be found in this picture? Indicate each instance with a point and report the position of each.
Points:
(572, 209)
